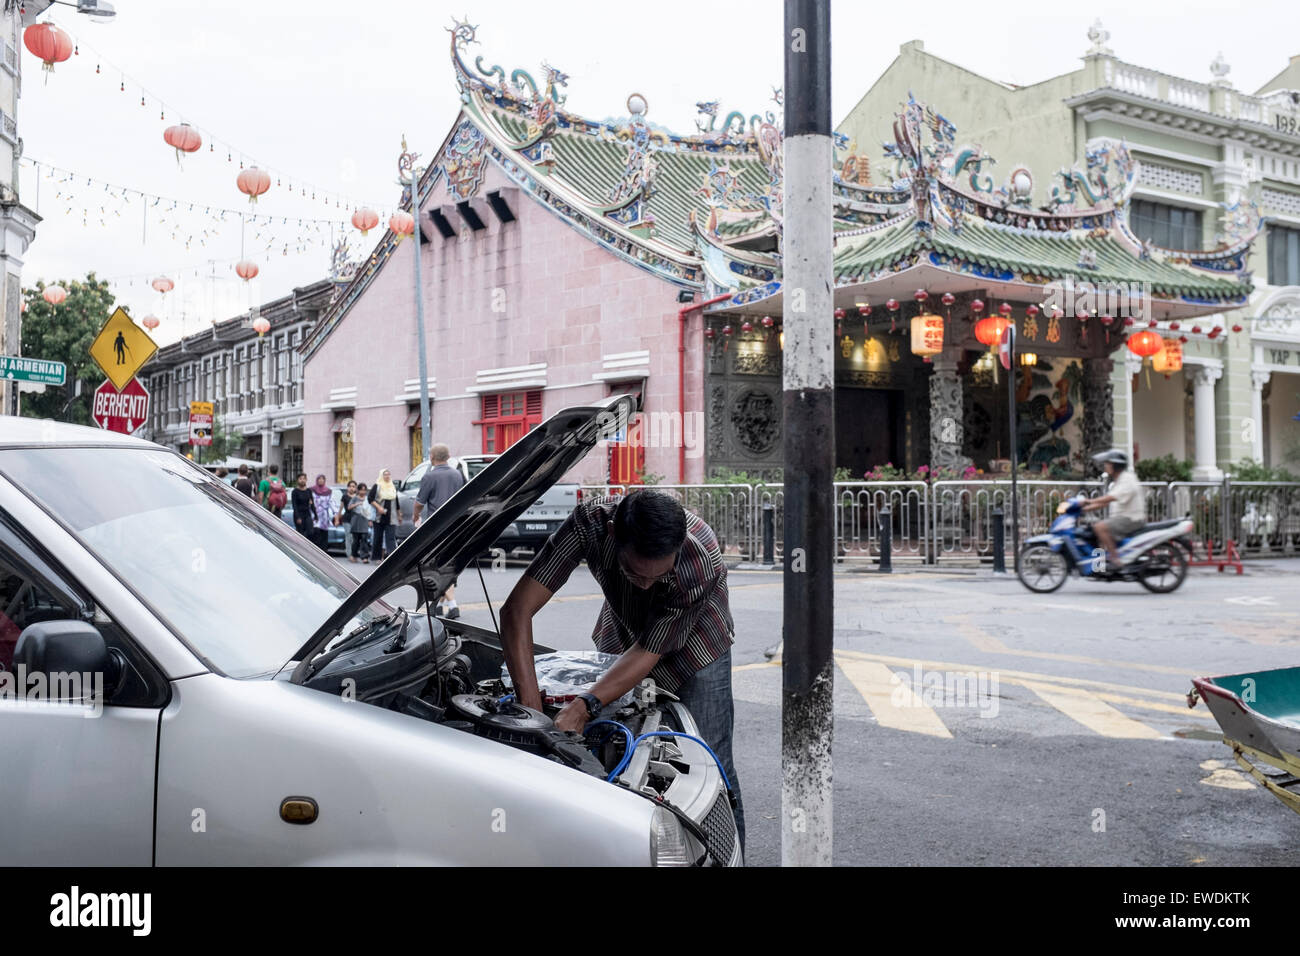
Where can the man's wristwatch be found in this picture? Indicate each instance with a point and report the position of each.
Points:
(594, 706)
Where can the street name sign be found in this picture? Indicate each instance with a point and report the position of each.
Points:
(17, 368)
(120, 411)
(121, 348)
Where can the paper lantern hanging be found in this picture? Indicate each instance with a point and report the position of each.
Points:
(365, 219)
(839, 322)
(1144, 344)
(151, 322)
(246, 269)
(163, 284)
(253, 182)
(989, 329)
(1169, 359)
(54, 295)
(402, 224)
(260, 325)
(183, 138)
(47, 42)
(927, 334)
(747, 326)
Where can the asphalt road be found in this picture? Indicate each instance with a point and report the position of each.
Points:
(1030, 729)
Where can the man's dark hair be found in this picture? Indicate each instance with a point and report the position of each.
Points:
(653, 523)
(275, 469)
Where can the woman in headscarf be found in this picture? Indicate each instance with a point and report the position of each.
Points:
(388, 513)
(322, 499)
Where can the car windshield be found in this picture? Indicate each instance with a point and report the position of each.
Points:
(240, 589)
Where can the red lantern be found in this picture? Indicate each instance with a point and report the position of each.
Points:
(163, 284)
(183, 138)
(246, 270)
(1145, 344)
(1004, 309)
(1031, 311)
(747, 326)
(989, 330)
(726, 330)
(252, 182)
(948, 299)
(1173, 326)
(709, 333)
(1196, 330)
(260, 325)
(150, 322)
(977, 306)
(767, 321)
(1214, 332)
(54, 295)
(365, 220)
(1183, 339)
(1236, 328)
(920, 295)
(402, 224)
(50, 44)
(1152, 324)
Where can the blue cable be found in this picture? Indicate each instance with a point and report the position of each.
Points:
(507, 697)
(627, 757)
(627, 735)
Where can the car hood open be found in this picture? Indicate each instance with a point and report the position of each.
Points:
(473, 518)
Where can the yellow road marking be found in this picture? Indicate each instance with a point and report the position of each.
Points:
(892, 701)
(1095, 714)
(984, 641)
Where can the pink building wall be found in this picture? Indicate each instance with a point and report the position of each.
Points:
(534, 290)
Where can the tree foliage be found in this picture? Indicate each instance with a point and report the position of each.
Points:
(64, 334)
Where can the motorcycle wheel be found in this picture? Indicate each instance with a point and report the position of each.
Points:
(1163, 568)
(1042, 570)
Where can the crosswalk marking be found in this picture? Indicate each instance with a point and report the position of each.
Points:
(1092, 712)
(891, 700)
(896, 706)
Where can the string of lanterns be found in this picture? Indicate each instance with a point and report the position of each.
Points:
(52, 44)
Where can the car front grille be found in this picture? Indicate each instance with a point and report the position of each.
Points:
(719, 827)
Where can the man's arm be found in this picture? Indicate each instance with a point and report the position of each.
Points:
(525, 600)
(1095, 504)
(633, 666)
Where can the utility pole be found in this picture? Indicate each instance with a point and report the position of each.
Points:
(426, 431)
(808, 406)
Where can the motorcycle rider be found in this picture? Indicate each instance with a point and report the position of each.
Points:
(1125, 492)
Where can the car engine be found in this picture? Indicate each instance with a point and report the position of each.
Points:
(451, 673)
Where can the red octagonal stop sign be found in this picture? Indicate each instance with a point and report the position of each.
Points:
(123, 411)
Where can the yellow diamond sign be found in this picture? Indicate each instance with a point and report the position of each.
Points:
(121, 347)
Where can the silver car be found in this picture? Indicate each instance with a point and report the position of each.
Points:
(184, 680)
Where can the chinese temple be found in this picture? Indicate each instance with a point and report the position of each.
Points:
(626, 220)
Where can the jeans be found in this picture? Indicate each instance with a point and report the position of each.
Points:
(707, 694)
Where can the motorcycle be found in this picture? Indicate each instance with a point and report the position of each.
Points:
(1155, 557)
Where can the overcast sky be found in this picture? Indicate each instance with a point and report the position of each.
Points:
(321, 93)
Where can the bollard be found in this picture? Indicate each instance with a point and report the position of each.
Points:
(886, 541)
(769, 533)
(999, 543)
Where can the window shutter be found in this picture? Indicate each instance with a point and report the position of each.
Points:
(491, 406)
(534, 405)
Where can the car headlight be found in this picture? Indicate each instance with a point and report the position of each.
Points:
(668, 841)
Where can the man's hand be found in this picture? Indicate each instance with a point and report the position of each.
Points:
(573, 717)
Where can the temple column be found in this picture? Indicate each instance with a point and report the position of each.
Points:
(1257, 382)
(1203, 378)
(1098, 406)
(946, 414)
(1132, 366)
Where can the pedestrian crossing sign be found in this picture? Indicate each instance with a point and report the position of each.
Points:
(121, 348)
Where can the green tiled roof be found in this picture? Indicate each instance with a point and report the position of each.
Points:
(1053, 255)
(593, 166)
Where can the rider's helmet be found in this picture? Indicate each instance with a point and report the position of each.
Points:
(1114, 457)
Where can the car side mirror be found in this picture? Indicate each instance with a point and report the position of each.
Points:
(60, 649)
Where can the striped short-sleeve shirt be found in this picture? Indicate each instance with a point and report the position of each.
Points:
(685, 616)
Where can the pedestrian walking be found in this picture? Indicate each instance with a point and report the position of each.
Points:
(264, 486)
(360, 514)
(342, 517)
(243, 483)
(383, 496)
(302, 506)
(439, 483)
(667, 613)
(277, 496)
(322, 512)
